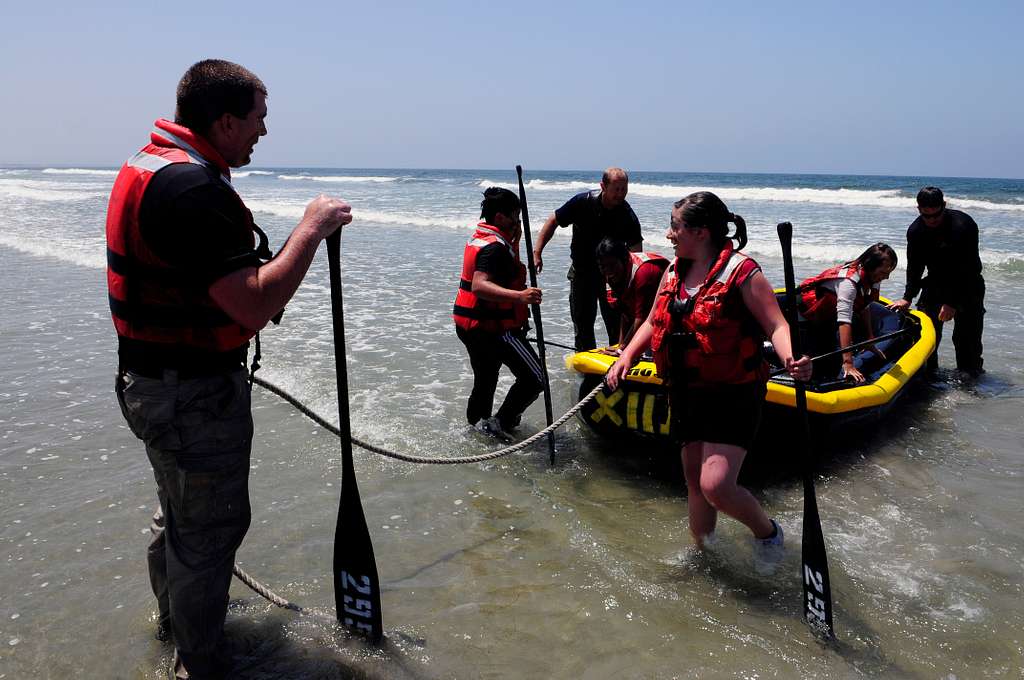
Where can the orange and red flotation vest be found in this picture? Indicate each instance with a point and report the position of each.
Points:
(818, 302)
(721, 340)
(636, 260)
(149, 299)
(473, 313)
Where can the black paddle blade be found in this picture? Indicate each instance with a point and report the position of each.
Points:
(817, 592)
(356, 586)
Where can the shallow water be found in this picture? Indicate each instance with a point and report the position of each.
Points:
(510, 568)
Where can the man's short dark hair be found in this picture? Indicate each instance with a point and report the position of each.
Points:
(213, 87)
(612, 174)
(930, 197)
(498, 200)
(611, 247)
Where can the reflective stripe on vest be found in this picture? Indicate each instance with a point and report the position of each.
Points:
(470, 312)
(721, 341)
(818, 302)
(149, 299)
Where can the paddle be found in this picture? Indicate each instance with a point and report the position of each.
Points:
(848, 348)
(356, 587)
(817, 591)
(553, 344)
(536, 310)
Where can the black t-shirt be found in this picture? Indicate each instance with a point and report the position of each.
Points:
(495, 260)
(950, 253)
(196, 223)
(591, 223)
(191, 219)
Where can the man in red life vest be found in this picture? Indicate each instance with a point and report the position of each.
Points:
(190, 281)
(633, 280)
(490, 313)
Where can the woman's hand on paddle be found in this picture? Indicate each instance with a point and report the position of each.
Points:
(800, 368)
(530, 296)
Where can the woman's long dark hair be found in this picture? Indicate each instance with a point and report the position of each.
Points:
(705, 209)
(875, 256)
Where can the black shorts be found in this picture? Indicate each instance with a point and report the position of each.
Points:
(724, 414)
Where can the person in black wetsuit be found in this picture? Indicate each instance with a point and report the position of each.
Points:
(594, 216)
(945, 242)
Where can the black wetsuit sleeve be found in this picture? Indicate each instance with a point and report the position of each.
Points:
(959, 286)
(196, 223)
(915, 263)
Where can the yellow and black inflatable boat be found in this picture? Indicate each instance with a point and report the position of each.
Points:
(640, 405)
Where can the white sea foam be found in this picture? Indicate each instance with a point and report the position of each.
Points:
(43, 191)
(79, 171)
(339, 179)
(245, 173)
(295, 211)
(878, 198)
(543, 185)
(74, 252)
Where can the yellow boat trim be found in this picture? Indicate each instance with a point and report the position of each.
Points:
(877, 393)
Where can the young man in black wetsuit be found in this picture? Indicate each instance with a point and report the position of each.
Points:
(945, 241)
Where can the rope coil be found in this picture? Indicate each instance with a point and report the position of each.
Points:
(279, 601)
(421, 459)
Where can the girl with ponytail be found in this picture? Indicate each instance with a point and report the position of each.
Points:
(706, 333)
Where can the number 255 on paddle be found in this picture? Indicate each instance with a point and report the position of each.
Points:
(362, 608)
(815, 605)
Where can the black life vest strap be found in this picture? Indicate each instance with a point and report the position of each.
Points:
(484, 313)
(168, 317)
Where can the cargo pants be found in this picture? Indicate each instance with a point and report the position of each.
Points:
(198, 437)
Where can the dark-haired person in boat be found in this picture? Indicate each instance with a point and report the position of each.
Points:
(945, 242)
(835, 295)
(491, 312)
(191, 280)
(706, 333)
(594, 215)
(633, 280)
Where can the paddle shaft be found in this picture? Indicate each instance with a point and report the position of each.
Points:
(536, 310)
(817, 591)
(356, 586)
(848, 348)
(553, 344)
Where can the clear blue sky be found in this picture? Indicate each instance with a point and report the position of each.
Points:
(887, 87)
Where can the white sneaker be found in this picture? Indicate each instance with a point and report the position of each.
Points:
(492, 428)
(768, 552)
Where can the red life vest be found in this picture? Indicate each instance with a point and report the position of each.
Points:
(637, 260)
(818, 302)
(473, 313)
(721, 339)
(149, 299)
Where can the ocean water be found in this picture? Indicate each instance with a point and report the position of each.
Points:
(511, 568)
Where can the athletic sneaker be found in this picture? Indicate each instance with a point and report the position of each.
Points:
(492, 428)
(768, 552)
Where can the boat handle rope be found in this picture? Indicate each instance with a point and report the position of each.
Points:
(284, 603)
(423, 459)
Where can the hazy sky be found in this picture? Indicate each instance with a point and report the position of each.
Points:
(925, 89)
